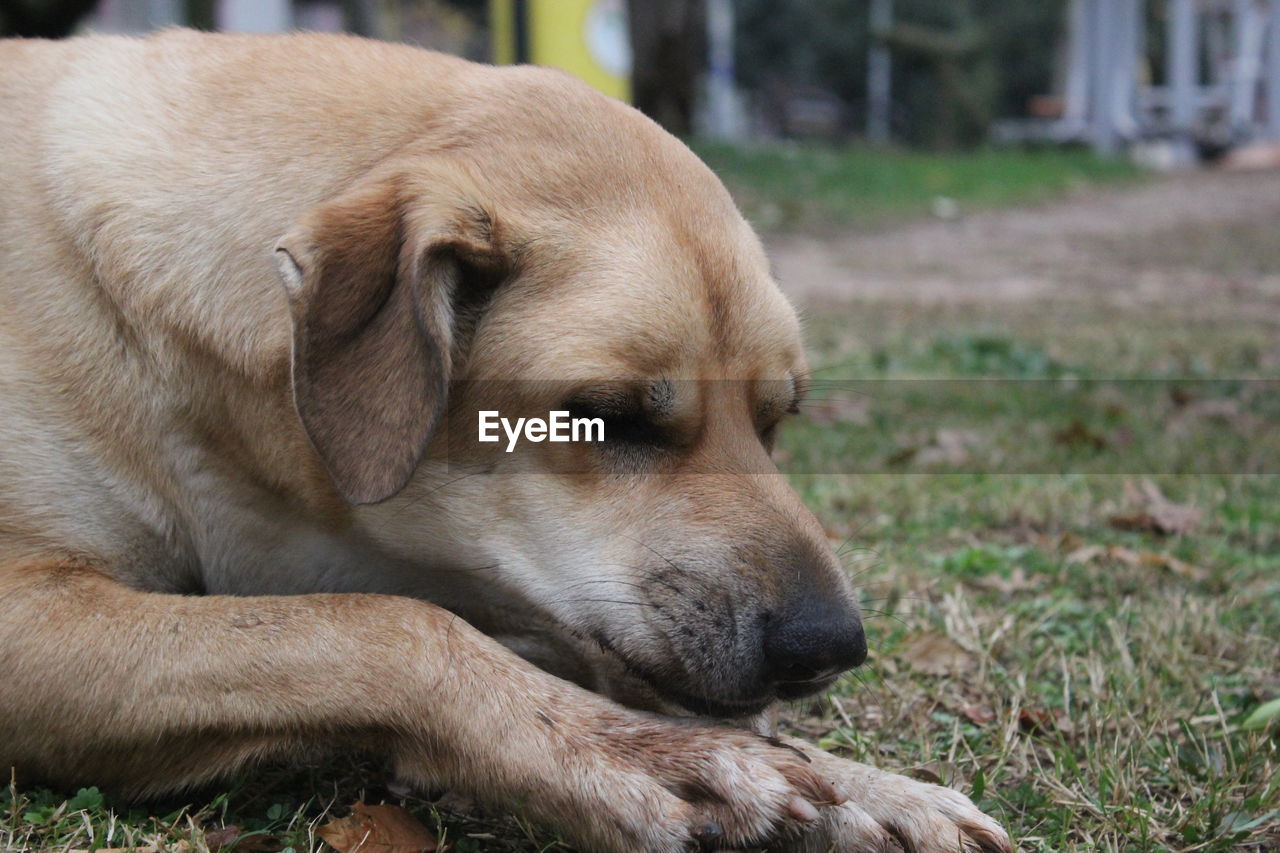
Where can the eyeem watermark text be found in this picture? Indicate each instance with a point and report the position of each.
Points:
(558, 426)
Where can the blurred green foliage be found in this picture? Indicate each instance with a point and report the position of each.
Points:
(790, 185)
(824, 44)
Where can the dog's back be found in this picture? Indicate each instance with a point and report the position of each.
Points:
(144, 184)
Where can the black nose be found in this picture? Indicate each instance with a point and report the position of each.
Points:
(813, 641)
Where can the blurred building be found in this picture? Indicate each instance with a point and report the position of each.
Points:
(1180, 77)
(457, 28)
(131, 16)
(591, 39)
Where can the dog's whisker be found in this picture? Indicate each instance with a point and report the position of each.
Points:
(884, 614)
(653, 575)
(865, 689)
(578, 600)
(418, 499)
(465, 570)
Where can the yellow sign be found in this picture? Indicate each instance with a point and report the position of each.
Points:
(587, 38)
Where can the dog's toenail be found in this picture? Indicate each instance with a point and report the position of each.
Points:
(802, 810)
(707, 834)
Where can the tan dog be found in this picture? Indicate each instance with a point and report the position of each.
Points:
(253, 293)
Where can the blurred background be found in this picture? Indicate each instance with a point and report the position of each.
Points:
(1174, 79)
(1037, 247)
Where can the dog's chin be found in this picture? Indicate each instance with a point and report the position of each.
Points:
(678, 689)
(707, 706)
(712, 706)
(801, 689)
(746, 704)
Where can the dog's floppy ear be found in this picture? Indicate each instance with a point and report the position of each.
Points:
(371, 278)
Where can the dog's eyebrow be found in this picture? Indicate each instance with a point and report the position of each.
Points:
(656, 398)
(609, 399)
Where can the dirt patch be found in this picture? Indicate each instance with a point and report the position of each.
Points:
(1178, 238)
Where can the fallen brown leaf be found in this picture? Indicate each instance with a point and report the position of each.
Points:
(1086, 554)
(1225, 409)
(944, 446)
(1042, 720)
(221, 836)
(1155, 513)
(935, 654)
(1076, 434)
(1062, 543)
(847, 409)
(180, 847)
(1018, 581)
(1152, 560)
(901, 456)
(1035, 720)
(979, 715)
(378, 829)
(949, 447)
(1138, 559)
(934, 772)
(1063, 721)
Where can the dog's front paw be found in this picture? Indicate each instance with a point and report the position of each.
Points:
(615, 780)
(677, 786)
(887, 812)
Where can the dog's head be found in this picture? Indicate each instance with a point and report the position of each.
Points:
(551, 250)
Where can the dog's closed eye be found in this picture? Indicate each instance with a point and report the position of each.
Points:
(769, 435)
(770, 421)
(626, 421)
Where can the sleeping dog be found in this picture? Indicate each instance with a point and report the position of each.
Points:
(254, 292)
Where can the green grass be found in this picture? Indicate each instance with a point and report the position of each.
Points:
(789, 186)
(1100, 702)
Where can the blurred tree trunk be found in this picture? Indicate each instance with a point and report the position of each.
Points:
(963, 62)
(668, 45)
(49, 19)
(201, 14)
(362, 16)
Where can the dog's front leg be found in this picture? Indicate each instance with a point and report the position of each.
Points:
(888, 812)
(146, 692)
